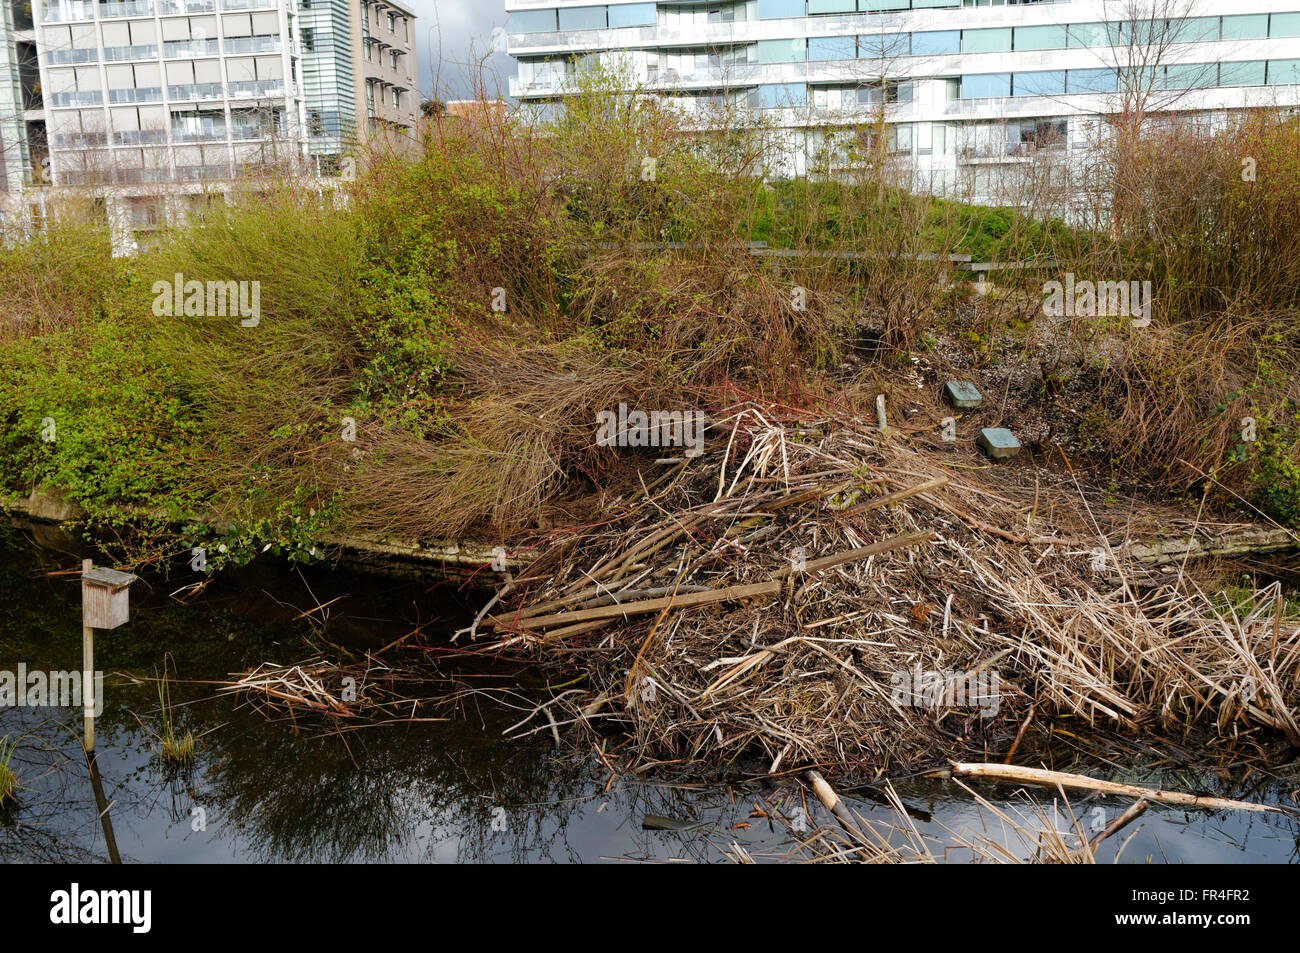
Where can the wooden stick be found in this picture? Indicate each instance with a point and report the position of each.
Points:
(853, 555)
(87, 669)
(1020, 734)
(730, 594)
(831, 801)
(1024, 775)
(1140, 805)
(932, 484)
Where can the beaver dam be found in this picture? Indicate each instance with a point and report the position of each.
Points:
(812, 592)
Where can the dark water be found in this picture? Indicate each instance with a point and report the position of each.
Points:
(452, 791)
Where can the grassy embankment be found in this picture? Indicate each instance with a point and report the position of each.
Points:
(379, 309)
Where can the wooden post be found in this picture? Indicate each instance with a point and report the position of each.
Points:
(105, 604)
(88, 669)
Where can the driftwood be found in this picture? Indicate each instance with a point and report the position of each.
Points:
(1024, 775)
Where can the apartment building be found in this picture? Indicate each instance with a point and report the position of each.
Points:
(359, 74)
(385, 66)
(22, 128)
(969, 89)
(160, 106)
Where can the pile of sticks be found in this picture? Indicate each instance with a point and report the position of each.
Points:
(788, 591)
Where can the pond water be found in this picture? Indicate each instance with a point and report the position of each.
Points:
(455, 791)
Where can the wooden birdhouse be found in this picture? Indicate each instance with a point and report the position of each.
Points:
(105, 597)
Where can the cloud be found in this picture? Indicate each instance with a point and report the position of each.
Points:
(452, 37)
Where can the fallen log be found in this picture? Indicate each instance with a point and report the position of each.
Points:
(1025, 775)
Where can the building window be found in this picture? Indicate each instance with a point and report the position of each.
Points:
(1046, 83)
(532, 21)
(936, 42)
(308, 40)
(986, 85)
(1092, 81)
(832, 48)
(780, 9)
(584, 18)
(1040, 38)
(633, 14)
(397, 99)
(783, 94)
(1248, 27)
(881, 46)
(997, 40)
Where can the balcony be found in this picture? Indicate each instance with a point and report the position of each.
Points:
(71, 57)
(140, 137)
(129, 8)
(189, 49)
(81, 140)
(141, 94)
(117, 54)
(174, 7)
(252, 133)
(89, 98)
(599, 39)
(252, 89)
(252, 44)
(67, 11)
(200, 173)
(194, 91)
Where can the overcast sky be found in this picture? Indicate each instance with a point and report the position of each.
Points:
(452, 37)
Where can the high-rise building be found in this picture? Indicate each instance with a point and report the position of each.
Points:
(359, 72)
(966, 88)
(156, 102)
(22, 125)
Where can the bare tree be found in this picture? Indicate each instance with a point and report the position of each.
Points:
(1143, 39)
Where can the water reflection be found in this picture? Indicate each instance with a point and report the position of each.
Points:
(263, 792)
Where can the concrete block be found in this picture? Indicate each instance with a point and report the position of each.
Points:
(998, 443)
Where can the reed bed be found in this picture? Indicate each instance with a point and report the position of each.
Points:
(812, 591)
